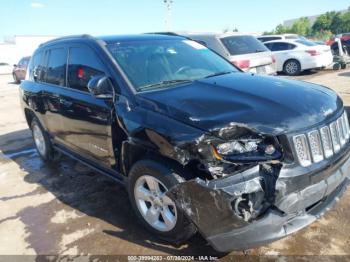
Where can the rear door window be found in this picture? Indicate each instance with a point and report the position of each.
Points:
(82, 66)
(56, 67)
(35, 67)
(269, 45)
(240, 45)
(280, 46)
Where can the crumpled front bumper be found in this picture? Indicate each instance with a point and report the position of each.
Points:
(210, 205)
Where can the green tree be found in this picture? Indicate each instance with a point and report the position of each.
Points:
(329, 21)
(281, 29)
(344, 26)
(322, 35)
(336, 24)
(301, 27)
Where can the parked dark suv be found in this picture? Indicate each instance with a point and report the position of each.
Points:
(200, 145)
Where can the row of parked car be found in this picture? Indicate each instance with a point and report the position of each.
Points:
(268, 54)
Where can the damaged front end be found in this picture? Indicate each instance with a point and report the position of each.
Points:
(254, 191)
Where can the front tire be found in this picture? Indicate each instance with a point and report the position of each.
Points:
(148, 182)
(42, 142)
(292, 67)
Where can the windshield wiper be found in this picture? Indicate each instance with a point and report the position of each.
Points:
(164, 83)
(219, 74)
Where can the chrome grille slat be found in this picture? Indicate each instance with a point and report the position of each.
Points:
(315, 146)
(335, 136)
(345, 115)
(344, 127)
(321, 143)
(326, 141)
(341, 131)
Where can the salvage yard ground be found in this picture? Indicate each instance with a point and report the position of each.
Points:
(69, 209)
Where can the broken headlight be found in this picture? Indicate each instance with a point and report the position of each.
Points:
(247, 150)
(238, 146)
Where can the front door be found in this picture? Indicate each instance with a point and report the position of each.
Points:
(86, 119)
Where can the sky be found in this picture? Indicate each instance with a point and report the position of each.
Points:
(106, 17)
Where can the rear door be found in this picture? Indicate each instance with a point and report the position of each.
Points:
(43, 97)
(51, 74)
(86, 120)
(282, 52)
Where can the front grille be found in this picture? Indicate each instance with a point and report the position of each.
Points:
(321, 143)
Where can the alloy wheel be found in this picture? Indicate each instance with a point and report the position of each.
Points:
(292, 67)
(157, 209)
(39, 140)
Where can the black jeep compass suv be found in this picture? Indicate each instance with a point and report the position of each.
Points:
(200, 145)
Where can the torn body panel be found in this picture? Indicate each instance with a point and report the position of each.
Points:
(248, 210)
(248, 192)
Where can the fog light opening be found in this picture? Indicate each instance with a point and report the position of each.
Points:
(243, 207)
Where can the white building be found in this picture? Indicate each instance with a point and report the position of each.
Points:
(15, 47)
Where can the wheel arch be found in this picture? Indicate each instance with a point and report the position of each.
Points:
(29, 115)
(132, 153)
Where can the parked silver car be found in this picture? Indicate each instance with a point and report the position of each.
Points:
(243, 50)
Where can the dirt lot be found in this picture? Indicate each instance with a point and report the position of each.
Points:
(69, 209)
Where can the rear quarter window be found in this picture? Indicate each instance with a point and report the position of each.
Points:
(56, 67)
(240, 45)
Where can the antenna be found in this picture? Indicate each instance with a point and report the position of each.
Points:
(168, 4)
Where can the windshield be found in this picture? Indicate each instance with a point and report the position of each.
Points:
(162, 63)
(306, 42)
(243, 44)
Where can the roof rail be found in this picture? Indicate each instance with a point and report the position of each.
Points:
(67, 37)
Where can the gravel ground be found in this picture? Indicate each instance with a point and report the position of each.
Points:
(68, 209)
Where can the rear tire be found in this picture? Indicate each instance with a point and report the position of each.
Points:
(156, 211)
(343, 66)
(292, 67)
(336, 67)
(42, 142)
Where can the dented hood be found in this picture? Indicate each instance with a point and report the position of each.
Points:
(270, 105)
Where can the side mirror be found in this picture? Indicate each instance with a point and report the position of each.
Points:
(101, 87)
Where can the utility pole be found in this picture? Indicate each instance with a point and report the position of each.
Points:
(168, 4)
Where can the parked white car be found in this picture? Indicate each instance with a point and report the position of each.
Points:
(5, 68)
(242, 50)
(294, 56)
